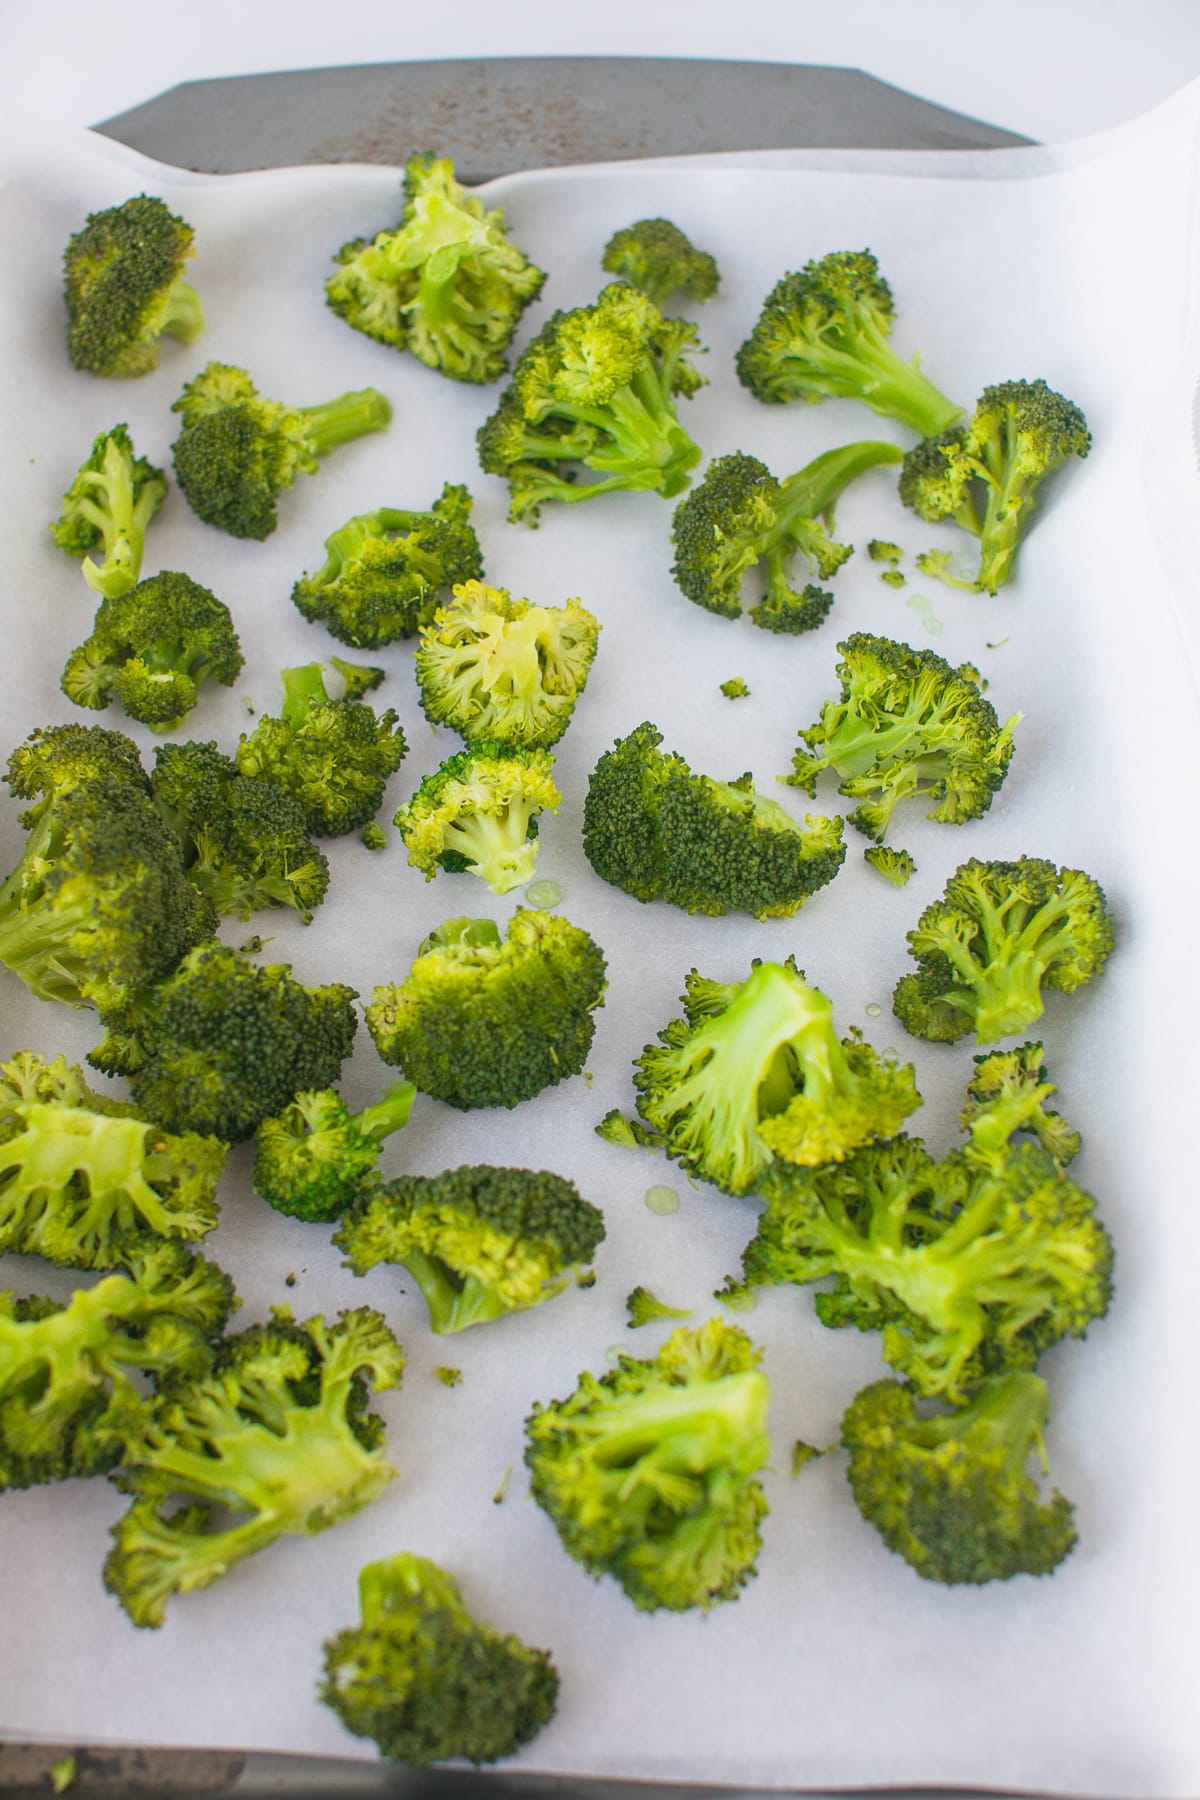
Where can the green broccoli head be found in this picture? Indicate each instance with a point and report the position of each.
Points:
(383, 570)
(238, 451)
(55, 758)
(108, 507)
(650, 1472)
(658, 831)
(479, 1241)
(482, 1020)
(906, 726)
(755, 1071)
(494, 668)
(1001, 933)
(936, 480)
(477, 813)
(312, 1159)
(950, 1492)
(447, 283)
(896, 866)
(824, 332)
(660, 260)
(425, 1679)
(275, 1440)
(124, 287)
(152, 648)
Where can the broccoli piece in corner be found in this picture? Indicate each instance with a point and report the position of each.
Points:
(1000, 934)
(480, 1242)
(658, 831)
(427, 1680)
(447, 283)
(660, 260)
(313, 1157)
(477, 813)
(950, 1492)
(109, 506)
(237, 451)
(825, 331)
(124, 288)
(741, 516)
(494, 668)
(650, 1473)
(486, 1021)
(275, 1440)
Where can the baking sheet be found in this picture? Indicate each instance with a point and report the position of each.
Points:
(837, 1666)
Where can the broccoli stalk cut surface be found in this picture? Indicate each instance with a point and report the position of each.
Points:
(124, 287)
(425, 1679)
(274, 1441)
(950, 1492)
(477, 813)
(660, 260)
(1001, 933)
(108, 507)
(447, 283)
(313, 1158)
(152, 648)
(650, 1473)
(479, 1241)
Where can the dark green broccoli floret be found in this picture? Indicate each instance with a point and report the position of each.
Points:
(660, 832)
(645, 1308)
(754, 1071)
(1000, 934)
(428, 1681)
(477, 813)
(246, 843)
(985, 475)
(1007, 1095)
(274, 1440)
(951, 1492)
(479, 1241)
(650, 1473)
(595, 390)
(124, 287)
(238, 451)
(446, 283)
(825, 331)
(897, 866)
(65, 1367)
(313, 1158)
(55, 758)
(659, 259)
(335, 756)
(741, 516)
(152, 648)
(503, 670)
(108, 507)
(906, 726)
(383, 570)
(486, 1021)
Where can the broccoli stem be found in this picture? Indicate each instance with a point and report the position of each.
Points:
(389, 1114)
(671, 1435)
(339, 421)
(869, 370)
(303, 687)
(814, 490)
(454, 1303)
(496, 844)
(184, 318)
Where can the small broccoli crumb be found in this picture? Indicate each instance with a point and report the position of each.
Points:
(500, 1492)
(662, 1199)
(289, 1280)
(249, 705)
(64, 1774)
(897, 865)
(373, 836)
(803, 1454)
(880, 550)
(645, 1308)
(448, 1377)
(894, 578)
(999, 643)
(735, 688)
(543, 894)
(918, 604)
(254, 945)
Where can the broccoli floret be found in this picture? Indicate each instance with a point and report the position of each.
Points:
(65, 1367)
(825, 331)
(735, 688)
(245, 841)
(55, 758)
(906, 726)
(477, 813)
(896, 866)
(383, 570)
(660, 260)
(109, 506)
(335, 756)
(313, 1157)
(595, 390)
(152, 648)
(741, 516)
(616, 1128)
(488, 1021)
(951, 1492)
(1000, 934)
(84, 1179)
(428, 1681)
(274, 1440)
(1006, 1095)
(479, 1241)
(224, 1043)
(124, 288)
(650, 1472)
(658, 831)
(237, 451)
(754, 1071)
(882, 550)
(446, 283)
(494, 668)
(645, 1308)
(985, 475)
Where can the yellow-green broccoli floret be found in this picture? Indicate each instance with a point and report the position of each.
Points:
(478, 813)
(896, 866)
(124, 287)
(660, 260)
(314, 1157)
(108, 507)
(645, 1308)
(1007, 1095)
